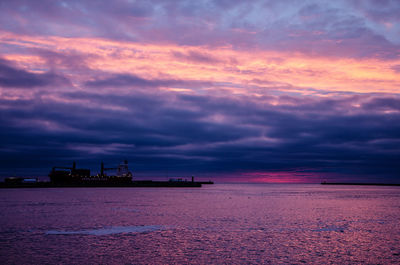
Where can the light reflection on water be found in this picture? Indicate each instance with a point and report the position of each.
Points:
(222, 223)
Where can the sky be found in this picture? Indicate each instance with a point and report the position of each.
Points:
(253, 91)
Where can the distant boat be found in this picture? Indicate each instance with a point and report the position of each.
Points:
(73, 175)
(81, 177)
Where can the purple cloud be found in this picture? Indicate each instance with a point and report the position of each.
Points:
(197, 57)
(18, 78)
(341, 28)
(128, 80)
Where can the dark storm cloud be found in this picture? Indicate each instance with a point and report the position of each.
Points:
(204, 134)
(383, 103)
(18, 78)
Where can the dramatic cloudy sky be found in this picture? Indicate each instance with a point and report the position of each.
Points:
(275, 91)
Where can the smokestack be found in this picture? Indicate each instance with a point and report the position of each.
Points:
(192, 178)
(102, 169)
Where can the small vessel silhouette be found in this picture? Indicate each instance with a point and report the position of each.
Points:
(81, 177)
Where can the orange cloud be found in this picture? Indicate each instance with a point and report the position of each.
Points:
(253, 72)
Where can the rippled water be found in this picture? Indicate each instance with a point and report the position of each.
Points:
(222, 223)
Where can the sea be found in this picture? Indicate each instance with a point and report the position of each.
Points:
(215, 224)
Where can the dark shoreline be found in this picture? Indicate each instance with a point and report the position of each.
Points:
(133, 184)
(359, 184)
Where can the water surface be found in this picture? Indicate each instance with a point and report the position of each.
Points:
(221, 223)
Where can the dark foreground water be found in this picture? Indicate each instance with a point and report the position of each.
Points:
(217, 224)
